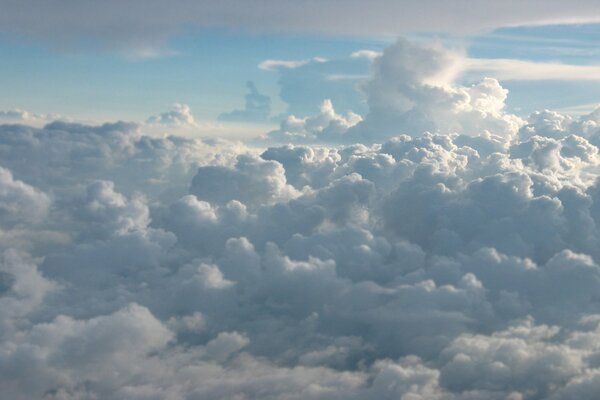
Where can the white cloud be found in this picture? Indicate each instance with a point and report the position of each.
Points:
(326, 126)
(413, 90)
(368, 54)
(179, 116)
(445, 265)
(511, 69)
(272, 65)
(18, 116)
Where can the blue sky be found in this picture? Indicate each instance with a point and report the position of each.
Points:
(208, 69)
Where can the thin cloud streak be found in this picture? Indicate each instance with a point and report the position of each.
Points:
(522, 70)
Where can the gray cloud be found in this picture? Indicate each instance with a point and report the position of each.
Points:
(144, 24)
(257, 107)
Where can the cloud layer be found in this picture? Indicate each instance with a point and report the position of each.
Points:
(457, 261)
(143, 24)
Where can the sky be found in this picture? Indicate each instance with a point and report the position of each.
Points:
(95, 73)
(313, 200)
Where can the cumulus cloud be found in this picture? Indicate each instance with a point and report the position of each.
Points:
(179, 116)
(18, 116)
(413, 90)
(456, 264)
(20, 202)
(326, 126)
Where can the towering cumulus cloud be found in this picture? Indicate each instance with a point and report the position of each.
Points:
(436, 248)
(412, 91)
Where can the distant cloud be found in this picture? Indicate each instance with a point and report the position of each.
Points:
(313, 80)
(510, 69)
(18, 116)
(148, 24)
(346, 77)
(326, 126)
(257, 107)
(179, 116)
(368, 54)
(272, 65)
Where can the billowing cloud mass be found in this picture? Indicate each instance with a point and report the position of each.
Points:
(412, 91)
(452, 254)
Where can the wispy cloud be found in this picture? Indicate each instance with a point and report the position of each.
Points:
(368, 54)
(522, 70)
(346, 77)
(272, 65)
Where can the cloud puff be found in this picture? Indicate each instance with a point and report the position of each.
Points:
(252, 180)
(179, 116)
(325, 126)
(18, 116)
(20, 202)
(436, 265)
(555, 125)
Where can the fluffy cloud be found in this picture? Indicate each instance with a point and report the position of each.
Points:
(252, 180)
(20, 202)
(326, 126)
(179, 116)
(456, 264)
(412, 90)
(18, 116)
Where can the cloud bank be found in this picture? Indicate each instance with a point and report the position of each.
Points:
(146, 24)
(456, 261)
